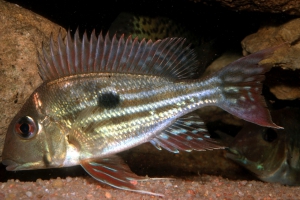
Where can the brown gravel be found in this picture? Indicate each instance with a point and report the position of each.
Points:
(200, 187)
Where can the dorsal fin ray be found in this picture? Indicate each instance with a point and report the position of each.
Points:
(170, 57)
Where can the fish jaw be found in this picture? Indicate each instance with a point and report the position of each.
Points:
(255, 167)
(11, 165)
(281, 173)
(14, 166)
(236, 156)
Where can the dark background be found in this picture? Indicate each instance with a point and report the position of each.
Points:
(209, 19)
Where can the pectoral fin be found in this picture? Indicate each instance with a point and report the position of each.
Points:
(186, 133)
(114, 172)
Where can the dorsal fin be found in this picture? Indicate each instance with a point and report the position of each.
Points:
(169, 57)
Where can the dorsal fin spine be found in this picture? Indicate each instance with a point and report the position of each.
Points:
(49, 63)
(70, 53)
(144, 55)
(150, 53)
(54, 61)
(74, 56)
(139, 55)
(154, 53)
(122, 56)
(132, 53)
(110, 53)
(119, 53)
(85, 53)
(114, 49)
(77, 51)
(99, 53)
(62, 54)
(107, 44)
(128, 43)
(92, 52)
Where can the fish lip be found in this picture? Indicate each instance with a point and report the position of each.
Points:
(237, 156)
(10, 165)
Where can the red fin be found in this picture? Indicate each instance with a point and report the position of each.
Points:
(186, 133)
(241, 84)
(170, 57)
(114, 172)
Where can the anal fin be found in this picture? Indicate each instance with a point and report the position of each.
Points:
(186, 133)
(114, 172)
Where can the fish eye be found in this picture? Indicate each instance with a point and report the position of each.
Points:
(25, 127)
(269, 135)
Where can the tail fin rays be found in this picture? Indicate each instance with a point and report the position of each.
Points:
(242, 88)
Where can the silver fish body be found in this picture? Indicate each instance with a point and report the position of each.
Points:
(102, 96)
(271, 155)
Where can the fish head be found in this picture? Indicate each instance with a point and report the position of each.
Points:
(261, 150)
(33, 140)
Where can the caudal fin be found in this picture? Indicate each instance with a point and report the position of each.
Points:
(241, 85)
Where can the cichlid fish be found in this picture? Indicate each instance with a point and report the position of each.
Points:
(272, 155)
(102, 96)
(158, 27)
(155, 28)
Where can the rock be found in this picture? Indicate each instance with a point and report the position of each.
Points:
(291, 7)
(225, 59)
(284, 83)
(57, 183)
(272, 35)
(22, 34)
(29, 193)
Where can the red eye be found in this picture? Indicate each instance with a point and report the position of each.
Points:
(25, 127)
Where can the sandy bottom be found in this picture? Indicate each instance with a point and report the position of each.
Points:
(196, 175)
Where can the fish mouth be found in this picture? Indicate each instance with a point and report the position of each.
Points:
(10, 165)
(236, 156)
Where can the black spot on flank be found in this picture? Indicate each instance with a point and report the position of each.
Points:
(108, 100)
